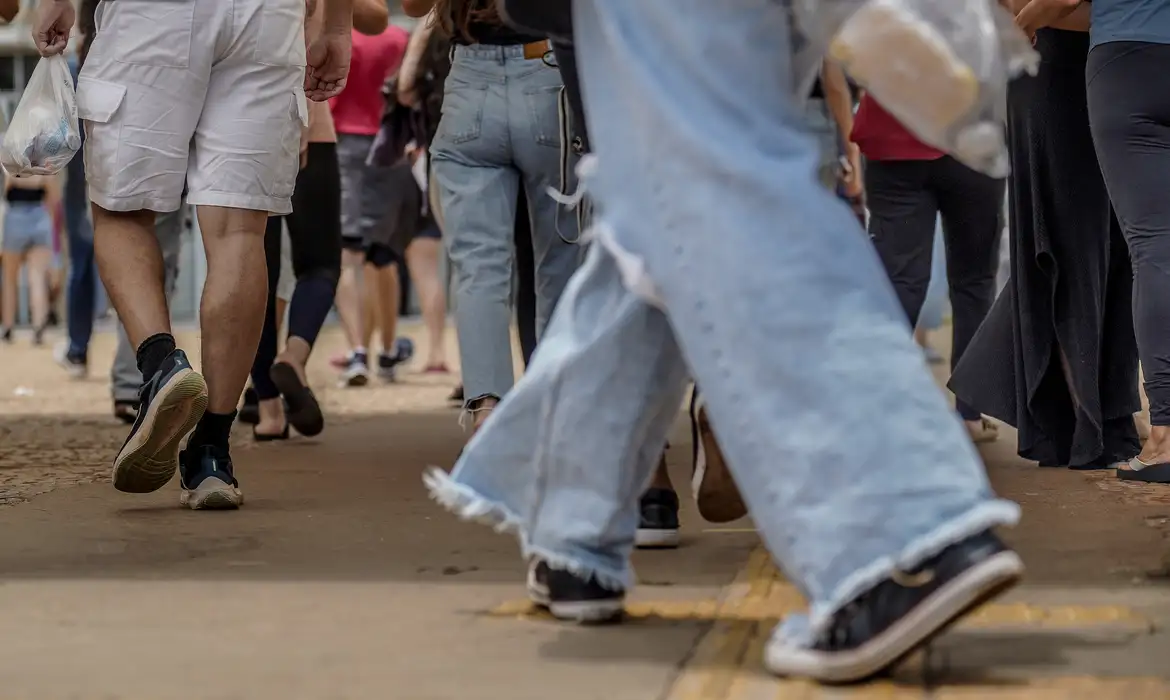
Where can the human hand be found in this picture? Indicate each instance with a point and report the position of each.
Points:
(328, 65)
(51, 27)
(1037, 14)
(851, 179)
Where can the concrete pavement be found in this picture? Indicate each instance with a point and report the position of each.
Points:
(340, 579)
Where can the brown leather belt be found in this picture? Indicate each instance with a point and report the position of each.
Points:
(537, 49)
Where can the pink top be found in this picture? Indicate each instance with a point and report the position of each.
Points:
(358, 109)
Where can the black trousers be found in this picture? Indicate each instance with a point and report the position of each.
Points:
(314, 232)
(905, 197)
(1129, 113)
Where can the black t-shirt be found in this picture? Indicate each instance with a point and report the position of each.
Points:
(490, 33)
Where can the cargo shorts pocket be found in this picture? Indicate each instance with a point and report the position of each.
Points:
(150, 32)
(285, 178)
(280, 34)
(98, 101)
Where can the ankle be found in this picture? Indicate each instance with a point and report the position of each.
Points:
(214, 429)
(152, 352)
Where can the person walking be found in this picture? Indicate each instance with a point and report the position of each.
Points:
(210, 97)
(791, 330)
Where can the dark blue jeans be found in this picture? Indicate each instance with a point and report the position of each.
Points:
(82, 290)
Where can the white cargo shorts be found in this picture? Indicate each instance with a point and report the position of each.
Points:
(209, 93)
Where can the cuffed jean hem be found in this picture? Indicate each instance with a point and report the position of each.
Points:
(469, 504)
(804, 630)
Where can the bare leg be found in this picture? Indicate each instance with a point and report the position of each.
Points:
(234, 296)
(11, 289)
(388, 294)
(349, 297)
(369, 308)
(422, 258)
(37, 265)
(130, 263)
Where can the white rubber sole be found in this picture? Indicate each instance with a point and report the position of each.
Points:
(149, 459)
(650, 538)
(977, 585)
(212, 494)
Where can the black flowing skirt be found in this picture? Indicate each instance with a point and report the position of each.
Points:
(1056, 357)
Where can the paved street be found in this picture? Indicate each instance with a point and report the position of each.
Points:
(340, 579)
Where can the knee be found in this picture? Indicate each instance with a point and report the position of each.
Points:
(324, 276)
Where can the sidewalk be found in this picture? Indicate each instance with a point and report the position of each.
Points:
(341, 579)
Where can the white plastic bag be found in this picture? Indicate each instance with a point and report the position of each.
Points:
(941, 67)
(43, 135)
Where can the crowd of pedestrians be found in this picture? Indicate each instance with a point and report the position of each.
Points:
(640, 189)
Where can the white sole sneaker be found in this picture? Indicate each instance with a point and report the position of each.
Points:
(150, 456)
(948, 604)
(212, 494)
(656, 538)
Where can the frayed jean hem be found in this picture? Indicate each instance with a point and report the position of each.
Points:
(804, 630)
(469, 504)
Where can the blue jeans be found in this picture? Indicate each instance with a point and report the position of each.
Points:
(82, 290)
(717, 251)
(500, 131)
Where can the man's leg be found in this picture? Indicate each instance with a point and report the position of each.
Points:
(244, 167)
(125, 378)
(351, 286)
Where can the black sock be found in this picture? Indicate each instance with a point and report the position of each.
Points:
(214, 429)
(152, 352)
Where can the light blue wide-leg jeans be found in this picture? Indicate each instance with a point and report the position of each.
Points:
(717, 250)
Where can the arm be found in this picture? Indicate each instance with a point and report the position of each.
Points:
(338, 16)
(1077, 20)
(408, 71)
(838, 98)
(9, 9)
(52, 193)
(417, 8)
(370, 16)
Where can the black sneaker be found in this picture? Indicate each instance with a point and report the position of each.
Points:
(6, 335)
(902, 613)
(572, 598)
(205, 474)
(658, 526)
(388, 361)
(169, 405)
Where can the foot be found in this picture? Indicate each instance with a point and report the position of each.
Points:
(715, 490)
(901, 613)
(658, 525)
(982, 430)
(126, 411)
(340, 360)
(572, 598)
(303, 411)
(250, 408)
(388, 362)
(170, 404)
(6, 335)
(357, 371)
(74, 364)
(207, 480)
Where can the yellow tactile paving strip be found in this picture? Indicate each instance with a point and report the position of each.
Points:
(726, 664)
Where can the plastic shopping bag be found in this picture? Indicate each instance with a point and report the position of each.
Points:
(941, 67)
(43, 135)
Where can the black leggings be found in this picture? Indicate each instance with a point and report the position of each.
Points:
(1129, 113)
(314, 231)
(905, 197)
